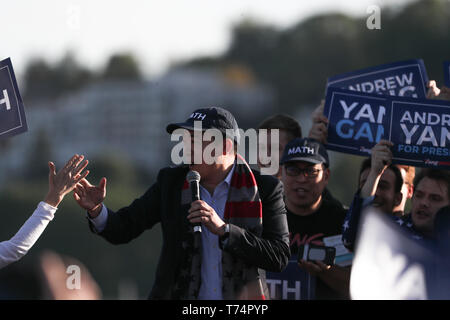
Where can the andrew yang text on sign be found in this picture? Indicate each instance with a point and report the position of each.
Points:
(400, 79)
(419, 128)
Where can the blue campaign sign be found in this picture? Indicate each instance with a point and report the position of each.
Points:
(400, 79)
(447, 73)
(12, 113)
(291, 284)
(390, 264)
(419, 128)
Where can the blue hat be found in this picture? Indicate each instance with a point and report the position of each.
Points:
(305, 149)
(211, 118)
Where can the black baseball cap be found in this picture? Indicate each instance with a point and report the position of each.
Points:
(305, 149)
(211, 118)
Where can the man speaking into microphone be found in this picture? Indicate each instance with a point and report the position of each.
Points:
(241, 217)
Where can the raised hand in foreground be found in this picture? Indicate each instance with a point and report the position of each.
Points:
(63, 182)
(90, 197)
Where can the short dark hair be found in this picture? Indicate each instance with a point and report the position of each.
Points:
(283, 122)
(367, 164)
(434, 174)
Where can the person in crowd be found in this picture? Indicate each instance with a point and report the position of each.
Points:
(431, 192)
(386, 186)
(288, 128)
(241, 213)
(319, 131)
(59, 184)
(313, 213)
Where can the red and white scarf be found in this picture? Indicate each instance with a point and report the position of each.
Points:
(243, 209)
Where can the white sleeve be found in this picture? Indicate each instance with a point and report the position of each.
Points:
(15, 248)
(99, 222)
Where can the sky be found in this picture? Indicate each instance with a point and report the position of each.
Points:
(158, 32)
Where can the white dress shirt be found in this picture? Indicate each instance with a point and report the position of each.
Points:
(211, 270)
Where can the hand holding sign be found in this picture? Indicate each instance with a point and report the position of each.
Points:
(435, 93)
(381, 156)
(433, 90)
(314, 268)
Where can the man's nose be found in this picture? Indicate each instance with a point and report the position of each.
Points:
(301, 177)
(424, 203)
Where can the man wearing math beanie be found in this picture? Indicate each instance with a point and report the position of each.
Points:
(242, 215)
(313, 213)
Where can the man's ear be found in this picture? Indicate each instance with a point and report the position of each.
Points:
(228, 146)
(398, 198)
(326, 174)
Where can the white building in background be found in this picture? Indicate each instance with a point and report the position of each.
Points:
(116, 117)
(129, 118)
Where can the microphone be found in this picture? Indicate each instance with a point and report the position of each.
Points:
(193, 177)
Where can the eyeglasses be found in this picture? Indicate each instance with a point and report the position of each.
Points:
(308, 172)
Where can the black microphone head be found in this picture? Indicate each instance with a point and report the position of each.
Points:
(193, 176)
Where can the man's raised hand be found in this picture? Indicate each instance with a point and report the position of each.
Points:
(90, 197)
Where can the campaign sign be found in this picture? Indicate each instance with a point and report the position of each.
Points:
(291, 284)
(12, 113)
(400, 79)
(447, 73)
(419, 128)
(389, 264)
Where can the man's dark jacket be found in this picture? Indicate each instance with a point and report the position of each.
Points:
(162, 203)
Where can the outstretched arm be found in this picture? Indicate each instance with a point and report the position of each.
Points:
(125, 224)
(381, 158)
(60, 184)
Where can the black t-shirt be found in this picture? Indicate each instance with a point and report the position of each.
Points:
(325, 222)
